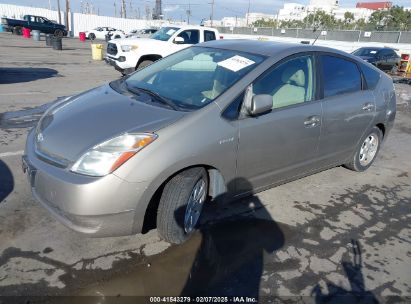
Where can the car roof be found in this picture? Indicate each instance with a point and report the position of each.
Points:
(267, 48)
(373, 47)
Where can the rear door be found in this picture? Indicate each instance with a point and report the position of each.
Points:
(348, 108)
(283, 143)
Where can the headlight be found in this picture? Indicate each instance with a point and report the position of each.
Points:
(128, 48)
(111, 154)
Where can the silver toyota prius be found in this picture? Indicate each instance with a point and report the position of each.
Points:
(217, 121)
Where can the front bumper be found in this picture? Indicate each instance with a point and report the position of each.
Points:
(114, 63)
(94, 206)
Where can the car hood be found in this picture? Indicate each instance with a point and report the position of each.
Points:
(69, 128)
(139, 41)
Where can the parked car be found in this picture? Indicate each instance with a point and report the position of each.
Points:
(130, 54)
(383, 58)
(165, 140)
(142, 33)
(39, 23)
(118, 34)
(101, 32)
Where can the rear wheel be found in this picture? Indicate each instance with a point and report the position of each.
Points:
(366, 151)
(91, 36)
(181, 204)
(143, 64)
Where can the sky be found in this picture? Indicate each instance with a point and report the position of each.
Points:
(176, 9)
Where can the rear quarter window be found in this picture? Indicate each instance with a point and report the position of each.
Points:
(209, 35)
(372, 77)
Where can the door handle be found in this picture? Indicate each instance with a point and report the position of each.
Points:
(312, 121)
(368, 107)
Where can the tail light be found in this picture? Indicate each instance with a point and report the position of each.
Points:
(221, 37)
(405, 57)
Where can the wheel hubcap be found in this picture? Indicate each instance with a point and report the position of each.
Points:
(194, 206)
(368, 149)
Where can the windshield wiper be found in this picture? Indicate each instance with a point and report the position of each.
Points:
(158, 97)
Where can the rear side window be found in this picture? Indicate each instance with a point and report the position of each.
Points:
(371, 76)
(340, 76)
(209, 35)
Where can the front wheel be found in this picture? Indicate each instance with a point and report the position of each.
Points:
(91, 36)
(367, 151)
(181, 204)
(58, 33)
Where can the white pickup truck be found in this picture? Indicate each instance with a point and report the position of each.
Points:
(130, 54)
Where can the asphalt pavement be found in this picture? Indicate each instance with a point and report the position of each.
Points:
(334, 234)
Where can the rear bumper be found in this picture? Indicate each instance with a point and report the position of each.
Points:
(93, 206)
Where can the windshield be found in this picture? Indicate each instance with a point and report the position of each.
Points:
(164, 33)
(193, 77)
(365, 52)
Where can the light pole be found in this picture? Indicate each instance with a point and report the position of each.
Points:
(58, 10)
(248, 11)
(212, 12)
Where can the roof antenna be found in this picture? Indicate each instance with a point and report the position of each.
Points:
(314, 30)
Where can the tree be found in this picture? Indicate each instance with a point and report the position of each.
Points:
(348, 17)
(265, 23)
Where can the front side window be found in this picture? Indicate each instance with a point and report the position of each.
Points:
(190, 36)
(164, 33)
(192, 78)
(340, 76)
(291, 82)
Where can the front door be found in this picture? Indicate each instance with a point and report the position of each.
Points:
(284, 142)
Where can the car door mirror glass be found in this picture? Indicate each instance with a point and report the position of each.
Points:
(179, 40)
(260, 104)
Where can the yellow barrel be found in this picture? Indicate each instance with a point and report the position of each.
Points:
(97, 51)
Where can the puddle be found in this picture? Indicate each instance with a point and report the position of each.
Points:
(226, 258)
(26, 118)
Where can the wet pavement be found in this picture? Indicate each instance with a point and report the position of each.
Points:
(330, 236)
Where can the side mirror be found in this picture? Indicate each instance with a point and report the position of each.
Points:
(179, 40)
(260, 104)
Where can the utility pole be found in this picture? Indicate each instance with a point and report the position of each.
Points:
(115, 9)
(248, 11)
(49, 4)
(67, 15)
(58, 10)
(188, 13)
(212, 12)
(123, 8)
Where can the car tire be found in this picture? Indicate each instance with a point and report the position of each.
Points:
(91, 36)
(177, 215)
(143, 64)
(366, 151)
(58, 33)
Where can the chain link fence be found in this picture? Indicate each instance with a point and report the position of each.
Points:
(339, 35)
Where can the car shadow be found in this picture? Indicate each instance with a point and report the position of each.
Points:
(356, 293)
(18, 75)
(230, 258)
(6, 181)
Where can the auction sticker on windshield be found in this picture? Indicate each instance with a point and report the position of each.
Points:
(236, 63)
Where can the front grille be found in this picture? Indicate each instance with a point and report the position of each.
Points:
(112, 49)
